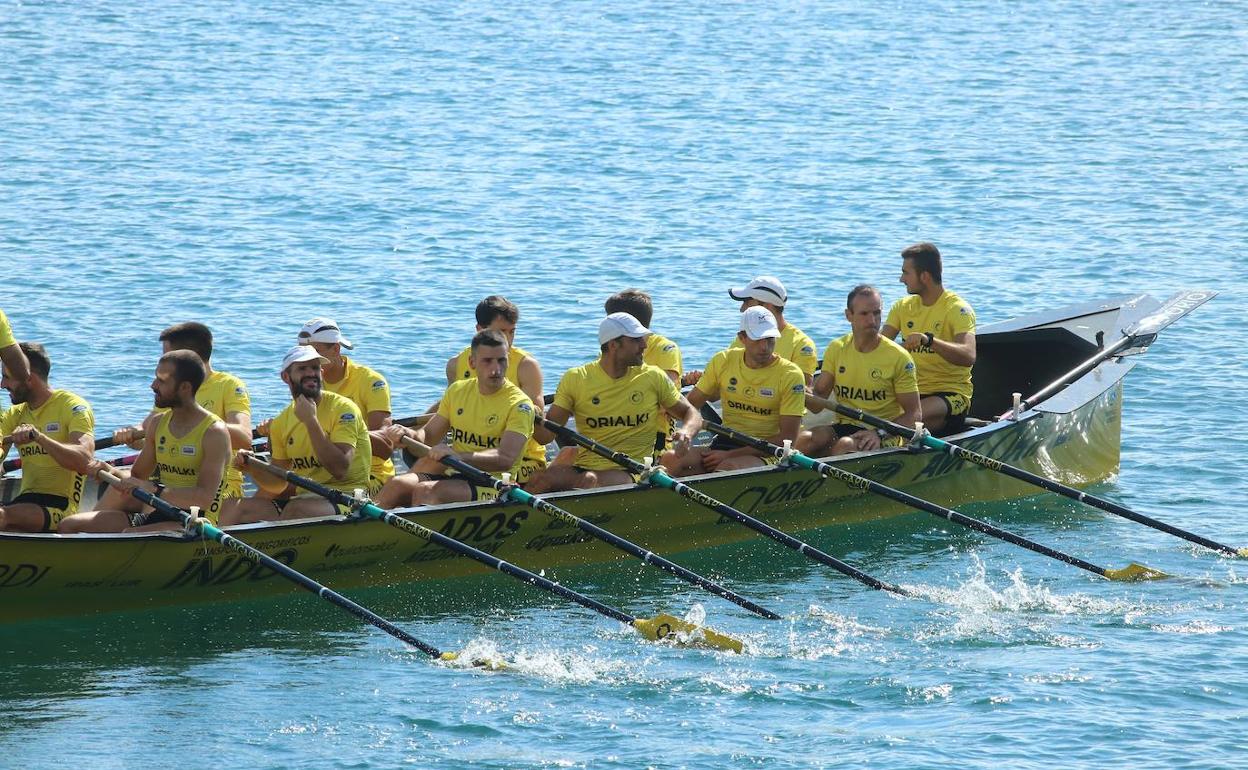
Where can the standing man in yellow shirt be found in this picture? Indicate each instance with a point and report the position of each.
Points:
(366, 388)
(938, 328)
(221, 393)
(619, 401)
(320, 435)
(186, 449)
(489, 418)
(865, 371)
(53, 433)
(11, 354)
(762, 393)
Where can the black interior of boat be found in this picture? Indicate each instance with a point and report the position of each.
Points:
(1021, 361)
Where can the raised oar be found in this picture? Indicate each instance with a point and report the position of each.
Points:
(1139, 334)
(1044, 483)
(854, 481)
(661, 626)
(513, 492)
(661, 479)
(206, 529)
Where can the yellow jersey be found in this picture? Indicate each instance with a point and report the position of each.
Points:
(870, 381)
(341, 420)
(793, 345)
(534, 451)
(478, 421)
(179, 459)
(624, 414)
(663, 353)
(946, 318)
(62, 415)
(371, 393)
(221, 394)
(6, 332)
(754, 400)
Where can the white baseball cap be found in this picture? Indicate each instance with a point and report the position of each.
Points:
(758, 323)
(620, 325)
(764, 289)
(323, 330)
(300, 353)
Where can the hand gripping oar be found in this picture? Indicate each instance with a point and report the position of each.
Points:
(852, 480)
(206, 528)
(513, 492)
(1032, 478)
(1139, 334)
(661, 626)
(657, 477)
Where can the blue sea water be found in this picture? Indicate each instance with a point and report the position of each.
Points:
(252, 165)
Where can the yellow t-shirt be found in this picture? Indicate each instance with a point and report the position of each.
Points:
(221, 394)
(793, 345)
(478, 421)
(947, 317)
(60, 416)
(341, 420)
(663, 353)
(533, 451)
(870, 381)
(179, 460)
(371, 393)
(754, 400)
(624, 414)
(6, 332)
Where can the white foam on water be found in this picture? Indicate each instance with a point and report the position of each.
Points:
(1192, 627)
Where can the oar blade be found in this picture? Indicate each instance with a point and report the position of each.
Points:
(1242, 553)
(1133, 572)
(664, 627)
(1172, 309)
(487, 662)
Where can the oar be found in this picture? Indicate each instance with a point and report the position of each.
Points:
(661, 626)
(853, 481)
(206, 529)
(16, 462)
(1142, 333)
(513, 492)
(661, 479)
(1044, 483)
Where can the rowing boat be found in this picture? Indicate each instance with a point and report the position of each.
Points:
(1073, 435)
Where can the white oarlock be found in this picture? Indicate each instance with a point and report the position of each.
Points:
(1018, 406)
(787, 450)
(506, 477)
(919, 434)
(648, 468)
(191, 525)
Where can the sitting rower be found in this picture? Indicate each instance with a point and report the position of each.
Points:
(793, 344)
(367, 389)
(490, 419)
(53, 433)
(11, 354)
(620, 401)
(660, 351)
(763, 395)
(320, 435)
(938, 328)
(185, 451)
(866, 371)
(221, 393)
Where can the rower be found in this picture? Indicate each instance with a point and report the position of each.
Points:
(619, 401)
(501, 315)
(866, 371)
(938, 329)
(186, 449)
(763, 395)
(319, 434)
(11, 354)
(793, 344)
(221, 393)
(490, 419)
(660, 351)
(366, 388)
(53, 433)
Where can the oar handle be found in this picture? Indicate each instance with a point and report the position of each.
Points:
(206, 528)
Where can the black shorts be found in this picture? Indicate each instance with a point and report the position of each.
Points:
(154, 516)
(721, 443)
(957, 407)
(53, 507)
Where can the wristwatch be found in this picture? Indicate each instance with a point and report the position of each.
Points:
(883, 434)
(930, 337)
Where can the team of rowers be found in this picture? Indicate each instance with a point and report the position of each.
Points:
(338, 430)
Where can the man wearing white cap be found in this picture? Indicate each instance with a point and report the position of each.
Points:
(793, 344)
(366, 388)
(619, 401)
(320, 435)
(489, 418)
(762, 394)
